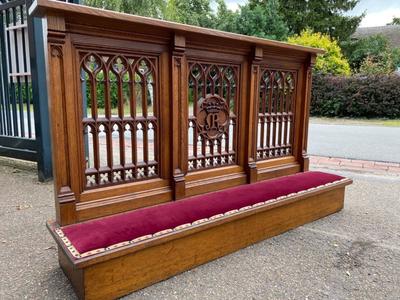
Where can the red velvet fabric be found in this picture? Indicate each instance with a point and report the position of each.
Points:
(111, 230)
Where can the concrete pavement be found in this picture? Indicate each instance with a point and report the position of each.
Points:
(376, 143)
(354, 254)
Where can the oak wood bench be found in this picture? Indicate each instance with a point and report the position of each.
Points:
(172, 145)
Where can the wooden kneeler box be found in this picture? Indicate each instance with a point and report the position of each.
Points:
(119, 269)
(173, 145)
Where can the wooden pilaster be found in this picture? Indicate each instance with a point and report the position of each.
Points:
(305, 113)
(252, 114)
(58, 59)
(179, 116)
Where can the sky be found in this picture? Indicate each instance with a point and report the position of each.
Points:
(378, 12)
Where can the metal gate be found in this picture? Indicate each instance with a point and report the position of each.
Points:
(24, 130)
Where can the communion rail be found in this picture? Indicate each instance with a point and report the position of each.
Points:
(145, 112)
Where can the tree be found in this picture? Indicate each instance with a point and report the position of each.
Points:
(370, 51)
(148, 8)
(263, 21)
(395, 21)
(332, 61)
(193, 12)
(373, 66)
(225, 19)
(259, 20)
(104, 4)
(325, 16)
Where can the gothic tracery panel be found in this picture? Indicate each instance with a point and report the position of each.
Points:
(276, 113)
(213, 103)
(120, 124)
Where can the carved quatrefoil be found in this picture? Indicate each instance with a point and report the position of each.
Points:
(213, 116)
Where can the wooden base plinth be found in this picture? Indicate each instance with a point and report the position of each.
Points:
(117, 273)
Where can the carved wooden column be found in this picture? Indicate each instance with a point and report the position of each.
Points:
(179, 116)
(58, 64)
(253, 115)
(304, 159)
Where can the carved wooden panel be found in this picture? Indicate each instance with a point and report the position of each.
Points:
(276, 113)
(120, 125)
(213, 103)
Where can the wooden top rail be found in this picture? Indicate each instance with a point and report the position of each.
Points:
(86, 14)
(145, 111)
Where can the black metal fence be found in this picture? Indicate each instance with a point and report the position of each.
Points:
(24, 130)
(17, 129)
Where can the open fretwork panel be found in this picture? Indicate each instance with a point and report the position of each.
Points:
(212, 100)
(119, 119)
(145, 111)
(276, 113)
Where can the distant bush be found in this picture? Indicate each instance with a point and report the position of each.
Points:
(371, 55)
(332, 61)
(374, 96)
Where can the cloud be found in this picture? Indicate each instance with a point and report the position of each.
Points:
(380, 18)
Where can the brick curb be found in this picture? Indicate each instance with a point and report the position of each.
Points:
(380, 168)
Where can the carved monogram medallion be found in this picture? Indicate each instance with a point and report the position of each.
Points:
(213, 116)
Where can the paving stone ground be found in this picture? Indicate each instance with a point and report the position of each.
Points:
(354, 165)
(354, 254)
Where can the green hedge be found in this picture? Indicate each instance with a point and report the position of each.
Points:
(375, 96)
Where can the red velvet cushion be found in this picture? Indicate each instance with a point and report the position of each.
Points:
(108, 231)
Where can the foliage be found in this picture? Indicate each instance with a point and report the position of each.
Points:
(193, 12)
(104, 4)
(375, 96)
(396, 57)
(149, 8)
(263, 18)
(225, 19)
(321, 16)
(370, 66)
(260, 20)
(25, 90)
(263, 21)
(395, 21)
(332, 61)
(101, 91)
(272, 19)
(373, 51)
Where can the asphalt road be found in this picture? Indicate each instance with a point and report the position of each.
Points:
(354, 254)
(377, 143)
